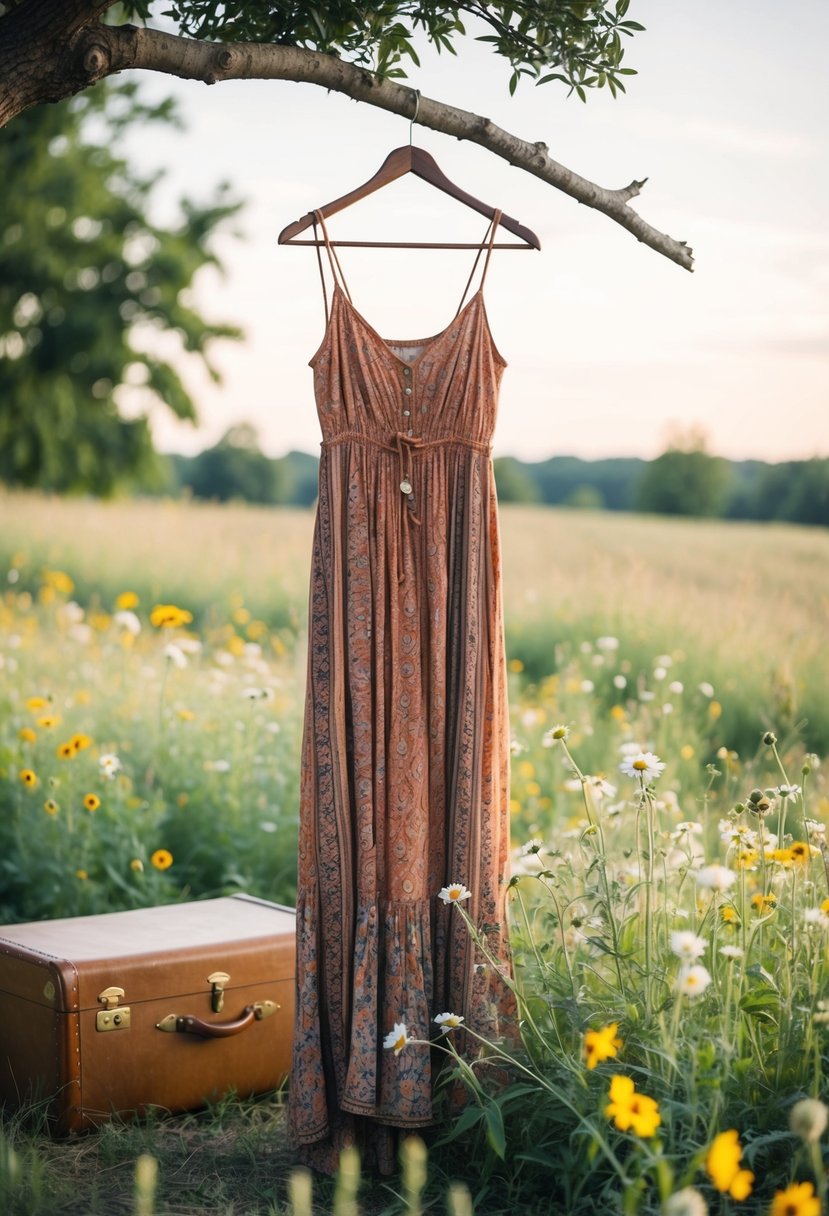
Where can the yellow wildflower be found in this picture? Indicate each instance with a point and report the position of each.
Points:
(764, 903)
(525, 768)
(533, 789)
(182, 799)
(714, 710)
(186, 715)
(66, 751)
(236, 645)
(28, 777)
(631, 1111)
(516, 665)
(126, 600)
(824, 907)
(800, 851)
(687, 751)
(785, 857)
(26, 734)
(35, 704)
(617, 713)
(256, 630)
(91, 802)
(100, 621)
(137, 865)
(722, 1164)
(82, 875)
(168, 616)
(59, 581)
(728, 914)
(79, 742)
(47, 721)
(241, 616)
(798, 1199)
(601, 1044)
(162, 859)
(51, 807)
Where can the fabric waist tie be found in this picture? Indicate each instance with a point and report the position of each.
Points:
(404, 446)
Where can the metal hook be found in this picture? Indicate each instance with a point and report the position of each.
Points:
(413, 118)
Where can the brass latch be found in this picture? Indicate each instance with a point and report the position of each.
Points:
(218, 979)
(112, 1016)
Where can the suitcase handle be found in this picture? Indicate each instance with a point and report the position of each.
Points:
(187, 1024)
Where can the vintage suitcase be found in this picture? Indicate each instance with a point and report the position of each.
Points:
(170, 1007)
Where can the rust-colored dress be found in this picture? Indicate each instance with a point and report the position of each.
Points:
(405, 758)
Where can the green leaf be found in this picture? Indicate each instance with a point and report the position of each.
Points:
(495, 1134)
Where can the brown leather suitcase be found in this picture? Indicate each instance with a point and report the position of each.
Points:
(160, 1007)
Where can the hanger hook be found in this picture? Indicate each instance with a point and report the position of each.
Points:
(413, 118)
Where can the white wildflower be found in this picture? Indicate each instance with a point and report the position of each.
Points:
(175, 655)
(645, 765)
(731, 952)
(692, 981)
(397, 1038)
(454, 893)
(716, 877)
(788, 791)
(448, 1021)
(619, 682)
(706, 689)
(607, 642)
(687, 946)
(554, 735)
(676, 687)
(687, 1202)
(109, 765)
(128, 621)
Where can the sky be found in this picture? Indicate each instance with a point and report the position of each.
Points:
(612, 350)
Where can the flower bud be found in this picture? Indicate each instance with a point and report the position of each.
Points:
(755, 796)
(769, 739)
(808, 1120)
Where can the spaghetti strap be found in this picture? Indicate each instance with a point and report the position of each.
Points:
(487, 244)
(336, 268)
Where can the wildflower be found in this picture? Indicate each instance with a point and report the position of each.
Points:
(687, 946)
(788, 791)
(619, 682)
(36, 704)
(175, 656)
(745, 859)
(816, 917)
(783, 857)
(217, 766)
(51, 807)
(706, 689)
(815, 830)
(397, 1038)
(685, 828)
(48, 721)
(532, 846)
(448, 1021)
(722, 1164)
(27, 735)
(769, 738)
(82, 875)
(824, 907)
(601, 1044)
(137, 865)
(162, 859)
(808, 1119)
(800, 851)
(65, 751)
(687, 1202)
(80, 742)
(168, 616)
(676, 687)
(601, 788)
(516, 665)
(692, 981)
(764, 903)
(798, 1199)
(186, 715)
(129, 622)
(716, 877)
(126, 600)
(91, 802)
(109, 765)
(645, 765)
(728, 915)
(58, 581)
(630, 1110)
(28, 777)
(607, 642)
(733, 952)
(454, 893)
(554, 735)
(714, 710)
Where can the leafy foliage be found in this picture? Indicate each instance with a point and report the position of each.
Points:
(87, 284)
(575, 42)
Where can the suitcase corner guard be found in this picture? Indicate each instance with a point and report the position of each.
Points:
(187, 1024)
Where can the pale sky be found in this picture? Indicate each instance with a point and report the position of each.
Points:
(609, 345)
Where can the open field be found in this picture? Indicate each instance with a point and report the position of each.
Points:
(144, 763)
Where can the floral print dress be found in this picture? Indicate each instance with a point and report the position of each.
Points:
(405, 757)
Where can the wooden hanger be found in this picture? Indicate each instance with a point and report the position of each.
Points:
(409, 159)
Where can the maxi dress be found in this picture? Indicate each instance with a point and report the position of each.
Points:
(405, 755)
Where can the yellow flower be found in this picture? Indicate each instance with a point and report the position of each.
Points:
(798, 1199)
(100, 621)
(186, 715)
(241, 616)
(525, 768)
(137, 865)
(617, 713)
(28, 777)
(714, 710)
(824, 907)
(126, 600)
(722, 1164)
(764, 903)
(48, 721)
(256, 630)
(162, 859)
(82, 875)
(631, 1111)
(26, 734)
(533, 789)
(79, 742)
(516, 665)
(58, 581)
(601, 1044)
(35, 704)
(514, 806)
(728, 915)
(800, 851)
(91, 802)
(784, 856)
(182, 799)
(51, 807)
(687, 751)
(236, 646)
(66, 751)
(745, 859)
(168, 616)
(83, 696)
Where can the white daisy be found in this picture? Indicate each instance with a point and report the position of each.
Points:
(129, 621)
(716, 877)
(554, 735)
(175, 655)
(644, 764)
(706, 689)
(532, 846)
(397, 1038)
(687, 946)
(692, 981)
(454, 893)
(607, 643)
(788, 791)
(448, 1021)
(731, 951)
(109, 765)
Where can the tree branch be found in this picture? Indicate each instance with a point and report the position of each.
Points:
(100, 50)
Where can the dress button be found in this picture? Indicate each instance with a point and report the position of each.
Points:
(406, 486)
(424, 409)
(406, 413)
(407, 372)
(410, 432)
(407, 391)
(408, 886)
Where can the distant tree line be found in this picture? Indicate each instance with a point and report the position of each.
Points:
(684, 480)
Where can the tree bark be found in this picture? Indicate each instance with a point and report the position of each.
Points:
(50, 50)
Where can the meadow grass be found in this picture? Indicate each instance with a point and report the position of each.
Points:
(143, 763)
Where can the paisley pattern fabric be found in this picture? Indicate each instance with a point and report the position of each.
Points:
(405, 758)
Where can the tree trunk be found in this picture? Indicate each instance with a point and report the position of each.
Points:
(50, 50)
